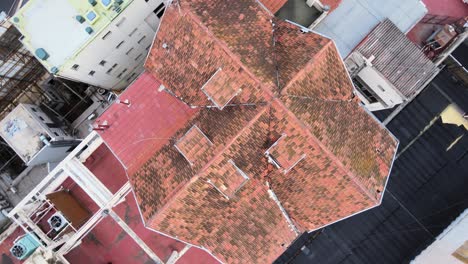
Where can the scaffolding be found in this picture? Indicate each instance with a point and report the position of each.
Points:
(19, 71)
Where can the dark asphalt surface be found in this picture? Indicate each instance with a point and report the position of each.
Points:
(425, 193)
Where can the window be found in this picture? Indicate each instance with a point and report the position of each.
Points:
(138, 57)
(128, 52)
(120, 44)
(107, 35)
(119, 76)
(56, 134)
(120, 22)
(131, 76)
(41, 118)
(110, 70)
(91, 73)
(33, 109)
(103, 63)
(147, 48)
(159, 11)
(133, 32)
(75, 67)
(142, 38)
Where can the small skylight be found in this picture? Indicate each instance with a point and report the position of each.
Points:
(91, 16)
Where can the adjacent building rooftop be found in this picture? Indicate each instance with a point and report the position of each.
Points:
(400, 61)
(56, 30)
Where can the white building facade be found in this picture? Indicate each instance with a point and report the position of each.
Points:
(99, 42)
(35, 136)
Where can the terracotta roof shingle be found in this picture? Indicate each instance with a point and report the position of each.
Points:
(217, 188)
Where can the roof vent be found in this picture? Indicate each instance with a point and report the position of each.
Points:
(42, 54)
(165, 46)
(80, 19)
(89, 30)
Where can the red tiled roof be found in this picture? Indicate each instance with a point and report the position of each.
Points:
(230, 199)
(273, 5)
(287, 152)
(219, 89)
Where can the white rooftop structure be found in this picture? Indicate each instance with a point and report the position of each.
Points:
(450, 247)
(33, 135)
(56, 18)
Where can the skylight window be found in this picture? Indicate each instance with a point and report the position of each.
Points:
(106, 3)
(91, 16)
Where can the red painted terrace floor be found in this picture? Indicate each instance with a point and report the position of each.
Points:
(131, 136)
(107, 242)
(132, 130)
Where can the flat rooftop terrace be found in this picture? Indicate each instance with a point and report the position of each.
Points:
(108, 242)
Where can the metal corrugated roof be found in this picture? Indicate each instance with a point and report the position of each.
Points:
(354, 19)
(397, 58)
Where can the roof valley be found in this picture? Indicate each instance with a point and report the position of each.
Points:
(228, 51)
(332, 156)
(196, 175)
(303, 69)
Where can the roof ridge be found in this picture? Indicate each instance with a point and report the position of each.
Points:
(303, 69)
(196, 176)
(227, 50)
(332, 156)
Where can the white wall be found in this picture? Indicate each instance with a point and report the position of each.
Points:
(446, 244)
(55, 133)
(380, 86)
(136, 27)
(50, 154)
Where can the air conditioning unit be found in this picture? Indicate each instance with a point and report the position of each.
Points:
(57, 222)
(24, 246)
